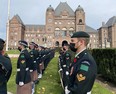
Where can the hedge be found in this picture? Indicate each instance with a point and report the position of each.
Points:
(106, 62)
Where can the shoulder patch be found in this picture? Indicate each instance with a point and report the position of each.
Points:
(80, 77)
(22, 56)
(86, 62)
(84, 67)
(67, 54)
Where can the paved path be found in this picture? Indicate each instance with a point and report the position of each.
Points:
(13, 55)
(9, 93)
(108, 85)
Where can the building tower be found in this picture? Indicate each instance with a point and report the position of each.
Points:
(49, 26)
(50, 20)
(16, 31)
(80, 19)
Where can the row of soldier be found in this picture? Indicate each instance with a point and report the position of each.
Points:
(77, 72)
(77, 77)
(30, 66)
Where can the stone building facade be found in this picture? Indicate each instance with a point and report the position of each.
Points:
(107, 34)
(60, 24)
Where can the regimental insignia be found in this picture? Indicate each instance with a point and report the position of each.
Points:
(22, 61)
(31, 55)
(80, 77)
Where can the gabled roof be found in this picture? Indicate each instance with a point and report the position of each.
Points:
(63, 6)
(111, 21)
(18, 19)
(89, 29)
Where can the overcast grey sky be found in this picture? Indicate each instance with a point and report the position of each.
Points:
(33, 11)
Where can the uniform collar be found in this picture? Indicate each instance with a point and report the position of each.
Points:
(23, 50)
(80, 52)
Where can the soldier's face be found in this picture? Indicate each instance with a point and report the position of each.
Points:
(76, 41)
(75, 44)
(31, 46)
(64, 48)
(19, 47)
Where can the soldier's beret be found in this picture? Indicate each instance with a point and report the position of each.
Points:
(2, 41)
(80, 34)
(32, 43)
(36, 46)
(64, 43)
(42, 47)
(24, 43)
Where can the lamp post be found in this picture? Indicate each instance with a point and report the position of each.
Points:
(7, 31)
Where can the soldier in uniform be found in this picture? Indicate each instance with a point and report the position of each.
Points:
(5, 69)
(66, 63)
(39, 62)
(83, 70)
(23, 78)
(33, 67)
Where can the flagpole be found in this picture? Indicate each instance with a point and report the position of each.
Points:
(7, 31)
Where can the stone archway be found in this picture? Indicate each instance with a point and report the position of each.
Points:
(57, 43)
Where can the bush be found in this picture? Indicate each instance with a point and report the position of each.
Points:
(106, 62)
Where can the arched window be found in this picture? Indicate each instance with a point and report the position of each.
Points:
(57, 28)
(71, 29)
(57, 43)
(80, 21)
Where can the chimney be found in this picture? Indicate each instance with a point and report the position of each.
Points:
(103, 23)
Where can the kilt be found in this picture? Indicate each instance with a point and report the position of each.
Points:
(34, 75)
(41, 65)
(25, 89)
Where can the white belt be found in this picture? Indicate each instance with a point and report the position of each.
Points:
(89, 92)
(64, 65)
(31, 70)
(18, 70)
(44, 55)
(34, 61)
(25, 69)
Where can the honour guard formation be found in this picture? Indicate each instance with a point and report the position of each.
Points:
(77, 77)
(77, 73)
(31, 65)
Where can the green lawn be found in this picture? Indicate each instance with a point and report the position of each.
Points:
(49, 84)
(13, 52)
(11, 82)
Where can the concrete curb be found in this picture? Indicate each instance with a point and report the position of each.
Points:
(9, 93)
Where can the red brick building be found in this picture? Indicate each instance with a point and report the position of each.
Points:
(60, 24)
